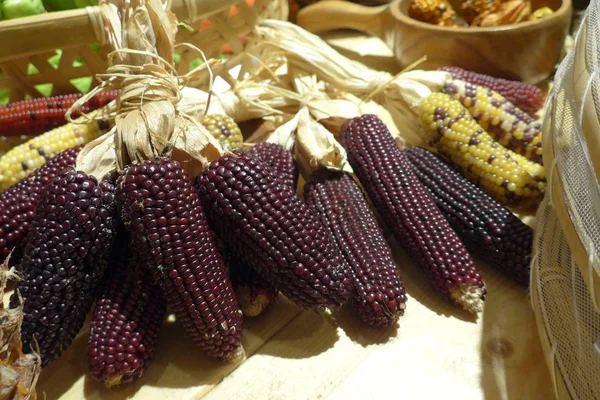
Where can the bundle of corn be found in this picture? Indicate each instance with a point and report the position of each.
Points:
(407, 98)
(379, 297)
(387, 176)
(18, 372)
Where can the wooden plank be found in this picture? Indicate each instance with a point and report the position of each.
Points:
(437, 351)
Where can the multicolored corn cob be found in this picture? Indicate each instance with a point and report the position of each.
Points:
(506, 176)
(170, 235)
(7, 143)
(268, 227)
(411, 213)
(484, 225)
(22, 160)
(380, 297)
(510, 126)
(437, 12)
(225, 130)
(17, 204)
(528, 98)
(67, 251)
(279, 160)
(126, 321)
(35, 116)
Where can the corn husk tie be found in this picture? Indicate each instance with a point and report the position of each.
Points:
(148, 123)
(400, 95)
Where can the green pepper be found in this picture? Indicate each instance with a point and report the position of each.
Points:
(59, 5)
(85, 3)
(21, 8)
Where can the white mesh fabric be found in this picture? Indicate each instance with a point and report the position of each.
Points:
(563, 295)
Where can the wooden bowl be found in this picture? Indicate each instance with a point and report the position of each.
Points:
(527, 51)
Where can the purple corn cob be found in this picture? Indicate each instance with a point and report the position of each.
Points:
(170, 235)
(279, 160)
(485, 226)
(65, 256)
(126, 321)
(268, 227)
(387, 176)
(18, 202)
(380, 297)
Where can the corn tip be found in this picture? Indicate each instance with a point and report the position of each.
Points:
(468, 297)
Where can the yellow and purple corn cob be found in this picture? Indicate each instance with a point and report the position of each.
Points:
(507, 124)
(268, 227)
(225, 130)
(411, 213)
(67, 251)
(126, 321)
(474, 10)
(279, 160)
(17, 204)
(170, 235)
(528, 98)
(7, 143)
(35, 116)
(505, 175)
(380, 298)
(484, 225)
(22, 160)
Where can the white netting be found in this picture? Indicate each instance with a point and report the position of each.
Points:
(565, 282)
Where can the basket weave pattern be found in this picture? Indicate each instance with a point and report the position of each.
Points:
(50, 67)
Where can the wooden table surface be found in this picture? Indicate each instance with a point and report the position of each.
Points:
(438, 351)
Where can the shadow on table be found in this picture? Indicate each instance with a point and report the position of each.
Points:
(512, 361)
(359, 332)
(307, 335)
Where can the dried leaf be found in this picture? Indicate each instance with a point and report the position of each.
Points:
(316, 147)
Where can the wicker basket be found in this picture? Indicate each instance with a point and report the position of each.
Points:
(60, 52)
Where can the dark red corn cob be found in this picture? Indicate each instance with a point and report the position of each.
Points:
(279, 160)
(484, 225)
(411, 213)
(126, 321)
(18, 202)
(35, 116)
(255, 294)
(268, 227)
(380, 297)
(528, 98)
(159, 206)
(65, 257)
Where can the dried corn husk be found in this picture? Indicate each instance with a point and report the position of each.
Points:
(399, 95)
(19, 372)
(148, 123)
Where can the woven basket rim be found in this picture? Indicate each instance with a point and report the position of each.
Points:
(59, 28)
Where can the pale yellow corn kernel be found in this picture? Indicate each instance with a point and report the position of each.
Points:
(22, 160)
(491, 110)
